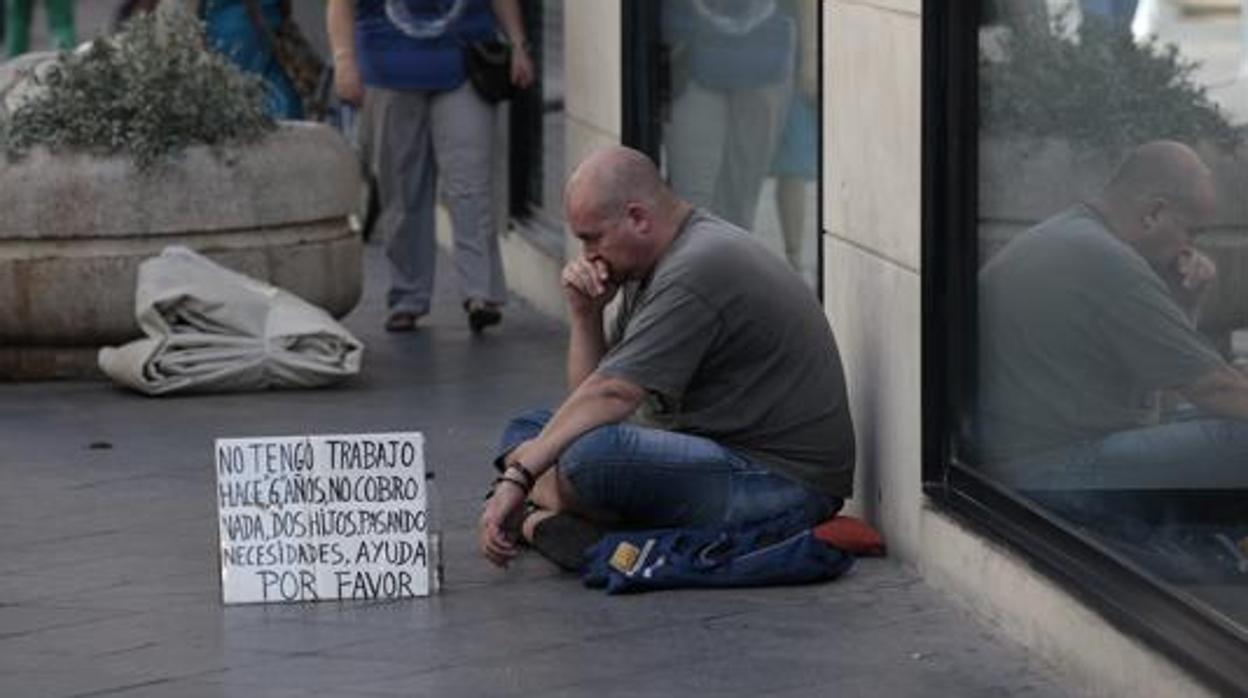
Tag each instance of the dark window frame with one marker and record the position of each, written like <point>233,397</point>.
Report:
<point>541,227</point>
<point>644,83</point>
<point>1209,645</point>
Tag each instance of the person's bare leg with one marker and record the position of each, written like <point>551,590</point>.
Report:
<point>791,205</point>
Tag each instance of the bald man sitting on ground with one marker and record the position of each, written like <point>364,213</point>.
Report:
<point>1086,319</point>
<point>716,398</point>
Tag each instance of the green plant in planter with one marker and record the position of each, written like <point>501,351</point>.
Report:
<point>150,91</point>
<point>1096,88</point>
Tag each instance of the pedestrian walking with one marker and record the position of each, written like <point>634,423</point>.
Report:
<point>430,130</point>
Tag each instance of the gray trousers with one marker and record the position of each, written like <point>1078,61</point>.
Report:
<point>721,144</point>
<point>420,141</point>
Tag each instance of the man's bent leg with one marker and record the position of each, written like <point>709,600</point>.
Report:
<point>655,478</point>
<point>643,477</point>
<point>1182,455</point>
<point>1191,454</point>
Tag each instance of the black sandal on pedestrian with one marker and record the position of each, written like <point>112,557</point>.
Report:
<point>402,321</point>
<point>482,314</point>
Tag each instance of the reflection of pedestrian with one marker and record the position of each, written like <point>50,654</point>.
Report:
<point>797,162</point>
<point>428,130</point>
<point>795,168</point>
<point>733,63</point>
<point>1119,13</point>
<point>17,24</point>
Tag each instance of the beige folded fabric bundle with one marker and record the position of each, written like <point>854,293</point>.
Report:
<point>210,329</point>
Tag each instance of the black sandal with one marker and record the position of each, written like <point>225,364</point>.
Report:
<point>482,314</point>
<point>402,321</point>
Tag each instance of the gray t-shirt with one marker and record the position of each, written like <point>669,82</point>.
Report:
<point>730,344</point>
<point>1077,335</point>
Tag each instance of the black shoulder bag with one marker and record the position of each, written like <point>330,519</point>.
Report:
<point>488,63</point>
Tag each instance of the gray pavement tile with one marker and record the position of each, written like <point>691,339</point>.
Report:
<point>497,639</point>
<point>60,683</point>
<point>46,587</point>
<point>109,571</point>
<point>528,662</point>
<point>18,622</point>
<point>118,590</point>
<point>296,637</point>
<point>194,688</point>
<point>121,665</point>
<point>321,672</point>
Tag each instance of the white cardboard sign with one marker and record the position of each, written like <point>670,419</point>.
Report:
<point>323,518</point>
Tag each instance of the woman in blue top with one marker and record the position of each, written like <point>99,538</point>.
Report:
<point>429,131</point>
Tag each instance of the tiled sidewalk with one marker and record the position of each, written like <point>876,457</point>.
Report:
<point>108,577</point>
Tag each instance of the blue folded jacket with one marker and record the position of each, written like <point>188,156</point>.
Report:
<point>777,551</point>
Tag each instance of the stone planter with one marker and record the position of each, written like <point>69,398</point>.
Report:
<point>1023,181</point>
<point>75,227</point>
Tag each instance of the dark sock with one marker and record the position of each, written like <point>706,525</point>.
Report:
<point>563,538</point>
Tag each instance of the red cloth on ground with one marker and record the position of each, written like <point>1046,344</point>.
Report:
<point>851,535</point>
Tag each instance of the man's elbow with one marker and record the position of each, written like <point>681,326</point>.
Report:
<point>622,394</point>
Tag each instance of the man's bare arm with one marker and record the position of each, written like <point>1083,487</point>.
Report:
<point>587,344</point>
<point>340,25</point>
<point>1222,393</point>
<point>596,401</point>
<point>587,289</point>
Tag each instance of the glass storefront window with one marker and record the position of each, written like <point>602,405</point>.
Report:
<point>739,116</point>
<point>1112,280</point>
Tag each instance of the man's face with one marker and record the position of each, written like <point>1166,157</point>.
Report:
<point>1171,226</point>
<point>616,241</point>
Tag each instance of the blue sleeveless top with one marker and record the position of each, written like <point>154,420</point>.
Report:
<point>418,44</point>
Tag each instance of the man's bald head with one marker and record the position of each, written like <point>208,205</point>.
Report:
<point>1163,169</point>
<point>1158,199</point>
<point>605,182</point>
<point>622,211</point>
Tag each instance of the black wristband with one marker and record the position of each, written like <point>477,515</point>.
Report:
<point>514,481</point>
<point>529,478</point>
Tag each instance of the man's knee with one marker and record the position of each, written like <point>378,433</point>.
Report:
<point>590,452</point>
<point>531,419</point>
<point>523,427</point>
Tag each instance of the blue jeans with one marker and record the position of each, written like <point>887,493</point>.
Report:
<point>650,478</point>
<point>1188,452</point>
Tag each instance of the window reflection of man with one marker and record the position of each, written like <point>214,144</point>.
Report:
<point>1086,318</point>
